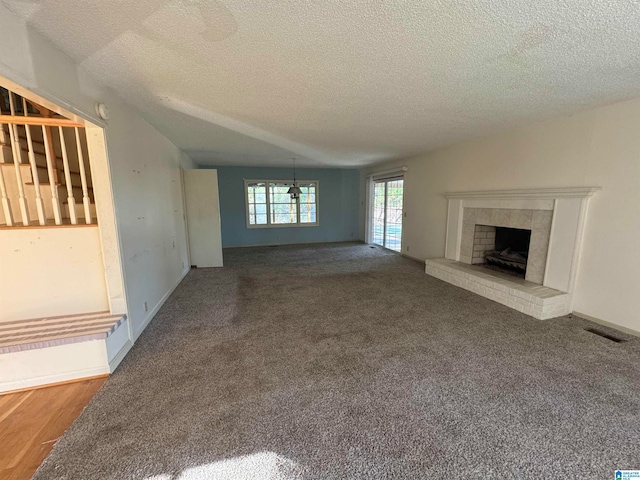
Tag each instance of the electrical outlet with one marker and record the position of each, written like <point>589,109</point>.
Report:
<point>146,307</point>
<point>407,248</point>
<point>174,243</point>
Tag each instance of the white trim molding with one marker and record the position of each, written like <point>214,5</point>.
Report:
<point>604,323</point>
<point>542,193</point>
<point>152,313</point>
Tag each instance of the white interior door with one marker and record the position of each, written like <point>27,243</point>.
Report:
<point>203,217</point>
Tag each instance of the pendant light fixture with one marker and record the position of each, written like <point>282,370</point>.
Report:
<point>294,191</point>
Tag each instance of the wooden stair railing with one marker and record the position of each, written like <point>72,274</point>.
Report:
<point>38,156</point>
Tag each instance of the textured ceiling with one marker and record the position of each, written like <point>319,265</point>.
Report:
<point>346,83</point>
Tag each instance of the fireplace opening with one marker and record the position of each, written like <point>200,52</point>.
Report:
<point>502,248</point>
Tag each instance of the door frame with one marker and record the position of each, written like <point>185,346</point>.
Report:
<point>399,172</point>
<point>184,216</point>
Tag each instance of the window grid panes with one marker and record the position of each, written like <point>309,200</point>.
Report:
<point>393,227</point>
<point>308,203</point>
<point>378,212</point>
<point>387,213</point>
<point>257,203</point>
<point>284,209</point>
<point>269,204</point>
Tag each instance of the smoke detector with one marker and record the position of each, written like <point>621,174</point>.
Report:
<point>102,110</point>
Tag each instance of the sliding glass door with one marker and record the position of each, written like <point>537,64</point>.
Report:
<point>386,219</point>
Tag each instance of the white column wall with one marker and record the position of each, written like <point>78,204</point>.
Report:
<point>149,233</point>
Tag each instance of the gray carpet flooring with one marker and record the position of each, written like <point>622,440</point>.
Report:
<point>343,361</point>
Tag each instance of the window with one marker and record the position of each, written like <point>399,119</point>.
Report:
<point>269,204</point>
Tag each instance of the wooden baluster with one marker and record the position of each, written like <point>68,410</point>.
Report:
<point>49,154</point>
<point>15,148</point>
<point>48,114</point>
<point>34,169</point>
<point>6,206</point>
<point>71,201</point>
<point>86,201</point>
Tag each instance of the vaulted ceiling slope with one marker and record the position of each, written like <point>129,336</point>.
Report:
<point>346,83</point>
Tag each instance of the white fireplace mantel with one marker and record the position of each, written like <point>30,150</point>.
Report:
<point>543,193</point>
<point>569,210</point>
<point>556,218</point>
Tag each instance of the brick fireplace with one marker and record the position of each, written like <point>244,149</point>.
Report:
<point>484,240</point>
<point>479,229</point>
<point>502,249</point>
<point>551,220</point>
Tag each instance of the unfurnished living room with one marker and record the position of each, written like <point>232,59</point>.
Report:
<point>319,240</point>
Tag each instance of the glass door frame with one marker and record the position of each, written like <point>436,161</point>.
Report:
<point>370,217</point>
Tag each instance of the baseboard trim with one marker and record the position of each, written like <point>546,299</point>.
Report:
<point>50,380</point>
<point>55,384</point>
<point>115,361</point>
<point>292,243</point>
<point>415,259</point>
<point>156,308</point>
<point>607,324</point>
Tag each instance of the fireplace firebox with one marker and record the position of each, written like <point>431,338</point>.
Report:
<point>502,248</point>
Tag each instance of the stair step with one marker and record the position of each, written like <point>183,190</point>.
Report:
<point>43,351</point>
<point>46,332</point>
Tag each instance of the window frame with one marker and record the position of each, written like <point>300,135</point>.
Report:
<point>268,203</point>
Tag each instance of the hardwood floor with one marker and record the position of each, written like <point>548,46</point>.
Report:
<point>32,420</point>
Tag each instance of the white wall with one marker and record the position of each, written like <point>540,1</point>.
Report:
<point>144,167</point>
<point>599,147</point>
<point>61,267</point>
<point>147,189</point>
<point>59,363</point>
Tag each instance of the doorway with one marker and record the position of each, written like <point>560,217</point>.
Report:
<point>387,213</point>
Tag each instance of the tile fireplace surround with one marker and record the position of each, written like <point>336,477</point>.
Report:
<point>556,218</point>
